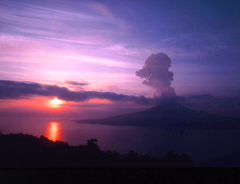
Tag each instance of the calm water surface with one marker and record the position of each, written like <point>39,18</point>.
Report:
<point>201,146</point>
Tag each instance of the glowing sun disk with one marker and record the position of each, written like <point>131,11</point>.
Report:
<point>55,103</point>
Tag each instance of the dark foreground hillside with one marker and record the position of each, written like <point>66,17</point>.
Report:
<point>27,151</point>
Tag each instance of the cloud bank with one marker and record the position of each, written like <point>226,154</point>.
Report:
<point>157,75</point>
<point>16,90</point>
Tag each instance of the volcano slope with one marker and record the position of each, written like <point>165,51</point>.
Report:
<point>170,115</point>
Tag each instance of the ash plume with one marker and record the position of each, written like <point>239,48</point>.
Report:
<point>157,75</point>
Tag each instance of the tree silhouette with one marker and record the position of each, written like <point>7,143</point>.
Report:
<point>27,151</point>
<point>91,142</point>
<point>92,147</point>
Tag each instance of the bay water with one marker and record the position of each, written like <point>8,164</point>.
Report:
<point>202,146</point>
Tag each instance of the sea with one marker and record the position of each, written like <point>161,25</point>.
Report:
<point>203,146</point>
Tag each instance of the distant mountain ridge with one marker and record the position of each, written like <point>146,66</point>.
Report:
<point>170,115</point>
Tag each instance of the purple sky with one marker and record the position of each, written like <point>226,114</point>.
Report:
<point>98,46</point>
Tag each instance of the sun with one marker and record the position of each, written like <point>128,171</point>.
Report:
<point>55,103</point>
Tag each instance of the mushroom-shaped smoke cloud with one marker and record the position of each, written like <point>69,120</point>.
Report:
<point>157,75</point>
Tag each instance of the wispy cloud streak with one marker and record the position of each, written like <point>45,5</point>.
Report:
<point>76,83</point>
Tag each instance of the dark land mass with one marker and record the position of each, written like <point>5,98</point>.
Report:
<point>170,115</point>
<point>27,151</point>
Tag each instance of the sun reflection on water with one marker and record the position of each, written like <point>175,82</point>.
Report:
<point>54,131</point>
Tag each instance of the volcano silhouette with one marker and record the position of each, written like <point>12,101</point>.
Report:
<point>170,115</point>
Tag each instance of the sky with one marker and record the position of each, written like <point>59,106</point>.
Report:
<point>90,54</point>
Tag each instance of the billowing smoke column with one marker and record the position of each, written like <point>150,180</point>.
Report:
<point>157,75</point>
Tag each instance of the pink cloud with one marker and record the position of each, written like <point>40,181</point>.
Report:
<point>84,39</point>
<point>131,13</point>
<point>119,49</point>
<point>13,43</point>
<point>106,12</point>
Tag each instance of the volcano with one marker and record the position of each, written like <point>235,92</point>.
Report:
<point>170,115</point>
